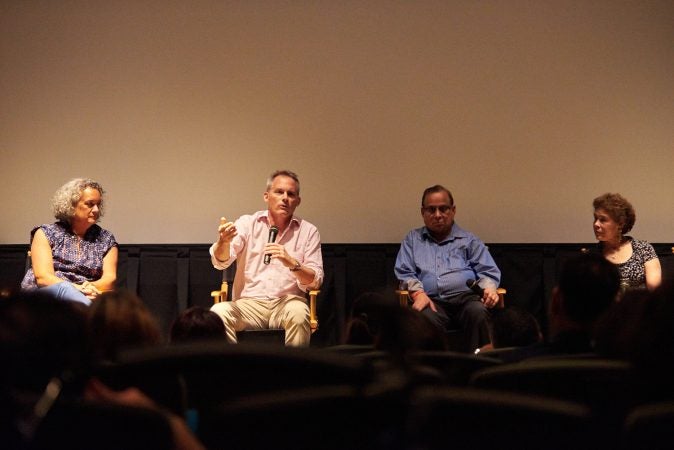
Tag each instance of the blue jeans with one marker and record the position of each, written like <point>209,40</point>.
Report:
<point>66,291</point>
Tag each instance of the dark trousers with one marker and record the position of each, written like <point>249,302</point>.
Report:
<point>464,311</point>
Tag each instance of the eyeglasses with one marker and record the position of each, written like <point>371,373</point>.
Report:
<point>444,209</point>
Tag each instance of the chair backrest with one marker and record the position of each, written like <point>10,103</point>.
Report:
<point>568,378</point>
<point>323,417</point>
<point>456,368</point>
<point>650,426</point>
<point>349,349</point>
<point>85,425</point>
<point>465,418</point>
<point>215,372</point>
<point>515,354</point>
<point>606,386</point>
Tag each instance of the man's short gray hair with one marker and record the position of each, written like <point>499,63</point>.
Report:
<point>286,173</point>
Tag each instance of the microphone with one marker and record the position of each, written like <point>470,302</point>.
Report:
<point>472,284</point>
<point>273,231</point>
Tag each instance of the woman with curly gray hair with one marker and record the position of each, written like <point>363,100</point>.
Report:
<point>73,258</point>
<point>636,260</point>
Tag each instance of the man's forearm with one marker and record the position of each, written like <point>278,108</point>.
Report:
<point>221,251</point>
<point>305,275</point>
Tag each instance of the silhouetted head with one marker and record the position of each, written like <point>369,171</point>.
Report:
<point>40,338</point>
<point>513,327</point>
<point>119,320</point>
<point>588,286</point>
<point>197,323</point>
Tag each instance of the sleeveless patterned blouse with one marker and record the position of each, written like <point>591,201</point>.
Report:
<point>75,259</point>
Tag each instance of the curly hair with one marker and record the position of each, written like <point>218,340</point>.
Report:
<point>618,208</point>
<point>66,197</point>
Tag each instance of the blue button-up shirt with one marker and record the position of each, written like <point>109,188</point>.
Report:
<point>441,269</point>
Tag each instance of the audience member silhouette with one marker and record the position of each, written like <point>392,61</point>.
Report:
<point>182,436</point>
<point>378,320</point>
<point>513,327</point>
<point>640,329</point>
<point>407,331</point>
<point>119,320</point>
<point>652,351</point>
<point>616,330</point>
<point>399,336</point>
<point>46,361</point>
<point>196,323</point>
<point>41,339</point>
<point>367,312</point>
<point>587,287</point>
<point>515,335</point>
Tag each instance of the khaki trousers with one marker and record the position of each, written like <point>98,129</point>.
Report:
<point>289,312</point>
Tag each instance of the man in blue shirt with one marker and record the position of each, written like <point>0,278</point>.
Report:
<point>435,262</point>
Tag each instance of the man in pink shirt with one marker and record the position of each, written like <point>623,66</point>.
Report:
<point>270,294</point>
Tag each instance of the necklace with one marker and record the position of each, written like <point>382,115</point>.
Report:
<point>615,253</point>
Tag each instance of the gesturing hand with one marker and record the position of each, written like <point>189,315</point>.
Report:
<point>226,230</point>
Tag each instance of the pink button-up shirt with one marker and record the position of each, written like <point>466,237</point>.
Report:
<point>253,278</point>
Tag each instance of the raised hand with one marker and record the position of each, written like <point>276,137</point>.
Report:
<point>226,230</point>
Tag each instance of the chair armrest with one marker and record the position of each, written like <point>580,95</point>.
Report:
<point>403,297</point>
<point>313,320</point>
<point>222,294</point>
<point>501,297</point>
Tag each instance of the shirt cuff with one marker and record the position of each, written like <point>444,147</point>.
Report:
<point>414,285</point>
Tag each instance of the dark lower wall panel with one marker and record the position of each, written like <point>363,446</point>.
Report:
<point>170,278</point>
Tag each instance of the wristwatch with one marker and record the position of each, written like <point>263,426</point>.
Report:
<point>296,267</point>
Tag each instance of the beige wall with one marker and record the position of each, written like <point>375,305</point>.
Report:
<point>526,110</point>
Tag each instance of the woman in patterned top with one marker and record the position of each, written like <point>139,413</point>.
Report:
<point>73,258</point>
<point>636,260</point>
